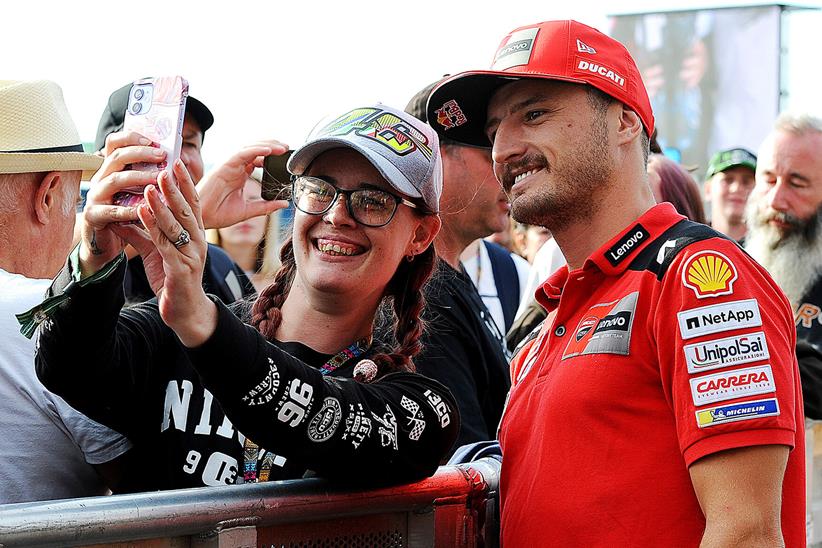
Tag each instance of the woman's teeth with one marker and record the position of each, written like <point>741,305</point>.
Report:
<point>335,249</point>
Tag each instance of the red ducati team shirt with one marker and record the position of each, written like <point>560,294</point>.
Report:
<point>668,345</point>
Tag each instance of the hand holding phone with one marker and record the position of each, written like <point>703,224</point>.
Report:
<point>155,110</point>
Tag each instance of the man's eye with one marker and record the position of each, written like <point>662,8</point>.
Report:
<point>532,115</point>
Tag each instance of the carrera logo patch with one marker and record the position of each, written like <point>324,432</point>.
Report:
<point>604,329</point>
<point>737,412</point>
<point>719,317</point>
<point>718,353</point>
<point>516,50</point>
<point>732,384</point>
<point>709,274</point>
<point>450,115</point>
<point>600,70</point>
<point>620,250</point>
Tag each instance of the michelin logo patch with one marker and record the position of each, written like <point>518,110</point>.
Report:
<point>718,318</point>
<point>516,50</point>
<point>737,412</point>
<point>717,353</point>
<point>732,384</point>
<point>604,329</point>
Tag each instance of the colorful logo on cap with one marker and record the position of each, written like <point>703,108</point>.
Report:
<point>450,115</point>
<point>709,274</point>
<point>382,127</point>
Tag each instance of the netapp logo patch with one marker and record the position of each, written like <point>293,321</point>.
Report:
<point>620,250</point>
<point>718,318</point>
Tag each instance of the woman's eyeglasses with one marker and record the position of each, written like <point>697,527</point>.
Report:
<point>368,206</point>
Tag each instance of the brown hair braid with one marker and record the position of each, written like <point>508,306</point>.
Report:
<point>265,314</point>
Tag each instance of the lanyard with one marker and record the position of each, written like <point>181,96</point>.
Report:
<point>254,469</point>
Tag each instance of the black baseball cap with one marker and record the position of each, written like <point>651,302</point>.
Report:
<point>416,107</point>
<point>115,111</point>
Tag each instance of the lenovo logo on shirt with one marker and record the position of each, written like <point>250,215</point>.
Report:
<point>719,317</point>
<point>620,250</point>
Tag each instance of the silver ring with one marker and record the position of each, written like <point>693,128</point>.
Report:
<point>184,239</point>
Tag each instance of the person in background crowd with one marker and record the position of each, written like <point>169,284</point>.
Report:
<point>728,183</point>
<point>671,183</point>
<point>462,346</point>
<point>252,244</point>
<point>505,237</point>
<point>627,364</point>
<point>305,380</point>
<point>48,450</point>
<point>784,220</point>
<point>529,240</point>
<point>222,276</point>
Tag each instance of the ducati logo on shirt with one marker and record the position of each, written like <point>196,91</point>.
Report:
<point>709,274</point>
<point>604,329</point>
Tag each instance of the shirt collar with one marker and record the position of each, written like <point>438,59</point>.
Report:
<point>616,254</point>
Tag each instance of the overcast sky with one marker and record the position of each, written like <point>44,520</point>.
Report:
<point>266,68</point>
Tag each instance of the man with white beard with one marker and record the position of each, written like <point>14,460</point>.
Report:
<point>784,217</point>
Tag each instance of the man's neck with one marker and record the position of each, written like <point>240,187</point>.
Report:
<point>29,255</point>
<point>582,238</point>
<point>735,231</point>
<point>449,245</point>
<point>325,323</point>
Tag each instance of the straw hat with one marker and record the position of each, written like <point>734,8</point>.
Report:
<point>37,133</point>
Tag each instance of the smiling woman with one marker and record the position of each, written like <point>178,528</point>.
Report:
<point>304,378</point>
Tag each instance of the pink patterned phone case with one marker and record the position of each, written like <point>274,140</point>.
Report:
<point>156,110</point>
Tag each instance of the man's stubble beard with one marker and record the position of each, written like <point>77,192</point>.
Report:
<point>794,260</point>
<point>575,191</point>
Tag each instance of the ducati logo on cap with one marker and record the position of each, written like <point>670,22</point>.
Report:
<point>582,47</point>
<point>450,115</point>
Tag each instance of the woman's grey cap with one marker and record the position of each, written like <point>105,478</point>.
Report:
<point>404,150</point>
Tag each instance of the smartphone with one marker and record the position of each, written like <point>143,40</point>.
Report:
<point>156,109</point>
<point>276,179</point>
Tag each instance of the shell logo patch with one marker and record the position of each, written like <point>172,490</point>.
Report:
<point>709,274</point>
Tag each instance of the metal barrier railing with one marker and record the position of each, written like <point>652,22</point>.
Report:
<point>455,507</point>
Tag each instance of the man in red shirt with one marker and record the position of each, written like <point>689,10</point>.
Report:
<point>660,403</point>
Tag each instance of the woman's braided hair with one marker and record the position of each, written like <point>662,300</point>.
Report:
<point>405,289</point>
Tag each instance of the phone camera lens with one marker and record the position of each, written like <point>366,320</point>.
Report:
<point>136,108</point>
<point>138,93</point>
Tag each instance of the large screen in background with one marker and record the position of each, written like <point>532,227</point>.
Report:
<point>712,76</point>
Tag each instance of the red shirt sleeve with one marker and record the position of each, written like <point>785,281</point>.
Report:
<point>726,344</point>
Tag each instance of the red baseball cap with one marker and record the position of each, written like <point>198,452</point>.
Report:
<point>553,50</point>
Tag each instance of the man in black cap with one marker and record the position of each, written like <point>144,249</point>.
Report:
<point>728,183</point>
<point>463,347</point>
<point>222,276</point>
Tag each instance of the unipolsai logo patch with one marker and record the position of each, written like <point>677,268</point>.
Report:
<point>605,329</point>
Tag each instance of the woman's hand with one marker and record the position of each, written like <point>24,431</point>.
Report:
<point>102,230</point>
<point>221,191</point>
<point>175,264</point>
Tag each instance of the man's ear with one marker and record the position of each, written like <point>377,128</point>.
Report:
<point>47,196</point>
<point>706,190</point>
<point>424,234</point>
<point>630,125</point>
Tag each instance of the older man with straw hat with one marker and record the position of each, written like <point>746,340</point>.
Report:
<point>48,450</point>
